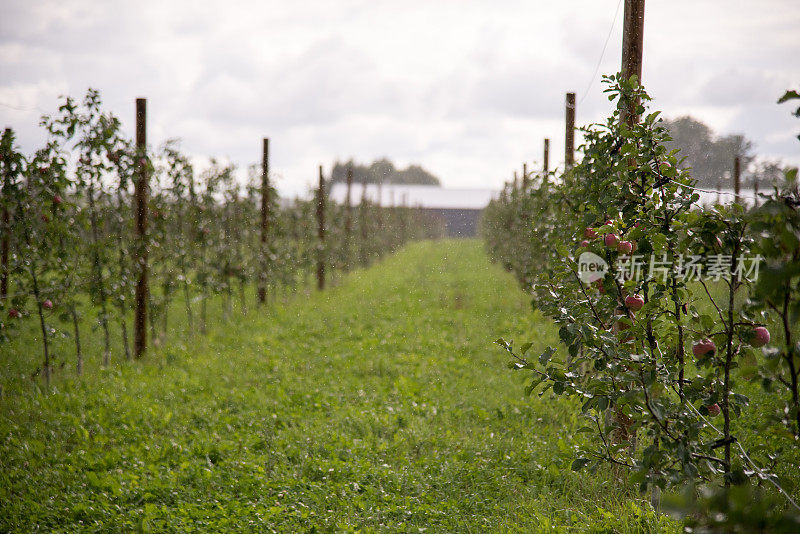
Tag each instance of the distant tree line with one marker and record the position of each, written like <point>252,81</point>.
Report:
<point>383,171</point>
<point>710,156</point>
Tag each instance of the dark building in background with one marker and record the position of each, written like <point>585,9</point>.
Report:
<point>458,209</point>
<point>458,222</point>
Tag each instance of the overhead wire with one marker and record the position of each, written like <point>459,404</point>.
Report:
<point>602,53</point>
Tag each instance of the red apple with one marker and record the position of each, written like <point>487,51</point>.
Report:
<point>13,313</point>
<point>611,240</point>
<point>47,304</point>
<point>713,409</point>
<point>760,336</point>
<point>57,200</point>
<point>584,243</point>
<point>634,302</point>
<point>609,222</point>
<point>45,218</point>
<point>626,247</point>
<point>599,284</point>
<point>703,347</point>
<point>590,233</point>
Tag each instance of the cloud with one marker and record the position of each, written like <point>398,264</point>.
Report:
<point>468,89</point>
<point>740,86</point>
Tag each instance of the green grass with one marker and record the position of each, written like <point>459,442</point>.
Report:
<point>378,405</point>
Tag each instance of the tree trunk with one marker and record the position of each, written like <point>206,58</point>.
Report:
<point>98,273</point>
<point>76,329</point>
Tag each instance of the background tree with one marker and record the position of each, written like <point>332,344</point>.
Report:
<point>710,156</point>
<point>383,171</point>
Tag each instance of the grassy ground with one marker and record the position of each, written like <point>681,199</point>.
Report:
<point>380,404</point>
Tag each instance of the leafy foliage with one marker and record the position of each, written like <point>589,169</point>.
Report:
<point>70,246</point>
<point>655,354</point>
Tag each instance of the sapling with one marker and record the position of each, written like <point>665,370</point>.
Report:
<point>72,220</point>
<point>35,251</point>
<point>93,130</point>
<point>626,345</point>
<point>776,296</point>
<point>11,163</point>
<point>120,154</point>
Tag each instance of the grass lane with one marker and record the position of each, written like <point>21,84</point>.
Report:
<point>380,404</point>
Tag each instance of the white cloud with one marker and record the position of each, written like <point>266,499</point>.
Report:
<point>468,89</point>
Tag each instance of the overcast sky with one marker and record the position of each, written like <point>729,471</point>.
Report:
<point>468,90</point>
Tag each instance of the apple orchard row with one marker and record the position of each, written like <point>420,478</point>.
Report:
<point>68,240</point>
<point>662,366</point>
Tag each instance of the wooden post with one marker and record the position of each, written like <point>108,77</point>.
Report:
<point>546,167</point>
<point>632,45</point>
<point>632,34</point>
<point>5,225</point>
<point>262,276</point>
<point>348,211</point>
<point>362,223</point>
<point>524,176</point>
<point>380,215</point>
<point>569,144</point>
<point>737,178</point>
<point>321,231</point>
<point>403,217</point>
<point>5,246</point>
<point>141,294</point>
<point>755,192</point>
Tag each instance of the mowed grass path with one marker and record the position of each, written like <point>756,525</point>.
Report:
<point>378,405</point>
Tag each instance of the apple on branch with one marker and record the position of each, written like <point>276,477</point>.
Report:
<point>760,336</point>
<point>634,302</point>
<point>703,347</point>
<point>611,240</point>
